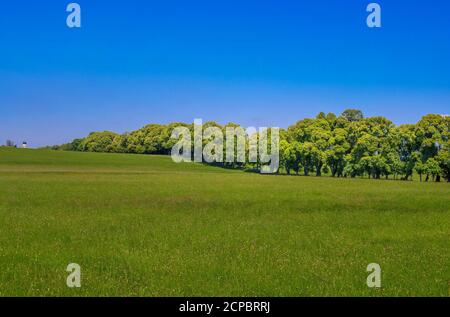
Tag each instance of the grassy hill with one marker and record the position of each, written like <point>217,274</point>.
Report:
<point>143,225</point>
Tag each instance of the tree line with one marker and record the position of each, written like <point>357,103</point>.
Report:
<point>348,145</point>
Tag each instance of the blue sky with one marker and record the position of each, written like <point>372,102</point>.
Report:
<point>257,63</point>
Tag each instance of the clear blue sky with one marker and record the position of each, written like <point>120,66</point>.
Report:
<point>253,62</point>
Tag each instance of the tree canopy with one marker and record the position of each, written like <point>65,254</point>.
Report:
<point>348,145</point>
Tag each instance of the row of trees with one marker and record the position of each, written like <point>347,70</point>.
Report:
<point>351,145</point>
<point>348,145</point>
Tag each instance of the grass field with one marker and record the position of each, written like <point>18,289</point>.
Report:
<point>142,225</point>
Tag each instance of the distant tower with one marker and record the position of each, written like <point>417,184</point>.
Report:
<point>24,145</point>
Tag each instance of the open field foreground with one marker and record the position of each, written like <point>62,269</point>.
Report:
<point>142,225</point>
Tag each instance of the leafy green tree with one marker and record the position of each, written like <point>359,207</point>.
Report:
<point>443,159</point>
<point>99,142</point>
<point>290,156</point>
<point>420,169</point>
<point>406,145</point>
<point>331,118</point>
<point>352,115</point>
<point>307,157</point>
<point>335,155</point>
<point>432,168</point>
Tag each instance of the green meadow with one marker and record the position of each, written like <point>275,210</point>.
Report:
<point>141,225</point>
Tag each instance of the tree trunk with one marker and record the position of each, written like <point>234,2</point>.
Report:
<point>333,172</point>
